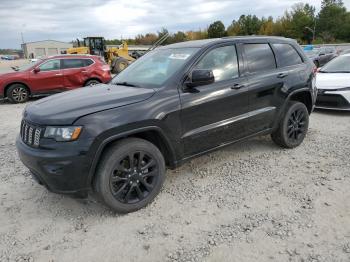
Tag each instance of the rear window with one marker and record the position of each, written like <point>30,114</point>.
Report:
<point>286,55</point>
<point>259,57</point>
<point>73,63</point>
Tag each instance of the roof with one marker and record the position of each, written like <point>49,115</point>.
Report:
<point>45,41</point>
<point>205,42</point>
<point>71,56</point>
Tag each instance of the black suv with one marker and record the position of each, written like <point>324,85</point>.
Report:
<point>174,103</point>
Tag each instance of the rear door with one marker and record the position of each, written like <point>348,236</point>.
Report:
<point>264,83</point>
<point>48,79</point>
<point>76,71</point>
<point>272,70</point>
<point>215,114</point>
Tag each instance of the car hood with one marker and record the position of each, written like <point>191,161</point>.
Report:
<point>10,73</point>
<point>332,80</point>
<point>65,108</point>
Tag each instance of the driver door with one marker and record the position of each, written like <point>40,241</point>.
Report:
<point>49,78</point>
<point>215,113</point>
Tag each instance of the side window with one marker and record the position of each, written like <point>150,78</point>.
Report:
<point>50,65</point>
<point>73,63</point>
<point>222,61</point>
<point>286,55</point>
<point>88,62</point>
<point>259,57</point>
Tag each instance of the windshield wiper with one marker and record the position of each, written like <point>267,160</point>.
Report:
<point>125,84</point>
<point>15,68</point>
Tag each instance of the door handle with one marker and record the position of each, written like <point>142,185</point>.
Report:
<point>58,74</point>
<point>84,71</point>
<point>237,86</point>
<point>282,75</point>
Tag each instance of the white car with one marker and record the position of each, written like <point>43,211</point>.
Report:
<point>333,84</point>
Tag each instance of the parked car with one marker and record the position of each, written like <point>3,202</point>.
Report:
<point>174,103</point>
<point>333,84</point>
<point>321,56</point>
<point>52,75</point>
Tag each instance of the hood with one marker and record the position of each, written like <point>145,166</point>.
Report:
<point>332,80</point>
<point>10,73</point>
<point>65,108</point>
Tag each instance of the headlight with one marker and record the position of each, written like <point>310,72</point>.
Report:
<point>68,133</point>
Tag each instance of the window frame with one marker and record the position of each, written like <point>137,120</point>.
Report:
<point>276,54</point>
<point>246,64</point>
<point>209,49</point>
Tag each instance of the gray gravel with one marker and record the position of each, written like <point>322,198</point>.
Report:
<point>252,201</point>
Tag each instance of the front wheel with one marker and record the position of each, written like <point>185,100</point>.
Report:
<point>17,93</point>
<point>293,126</point>
<point>130,175</point>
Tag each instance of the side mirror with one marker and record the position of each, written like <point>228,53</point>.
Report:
<point>200,77</point>
<point>36,70</point>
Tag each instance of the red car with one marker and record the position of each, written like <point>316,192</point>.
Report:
<point>52,75</point>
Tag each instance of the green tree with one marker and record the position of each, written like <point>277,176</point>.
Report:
<point>331,19</point>
<point>216,29</point>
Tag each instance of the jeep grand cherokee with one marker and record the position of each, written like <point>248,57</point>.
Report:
<point>174,103</point>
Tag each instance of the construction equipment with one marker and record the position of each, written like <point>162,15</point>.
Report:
<point>117,57</point>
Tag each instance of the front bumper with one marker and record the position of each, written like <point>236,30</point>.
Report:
<point>64,170</point>
<point>336,100</point>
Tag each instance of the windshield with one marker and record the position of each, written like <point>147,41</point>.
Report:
<point>340,64</point>
<point>154,68</point>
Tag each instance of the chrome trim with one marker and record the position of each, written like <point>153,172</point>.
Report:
<point>227,121</point>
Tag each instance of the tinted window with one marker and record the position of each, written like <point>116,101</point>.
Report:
<point>73,63</point>
<point>286,55</point>
<point>259,57</point>
<point>50,65</point>
<point>88,62</point>
<point>222,61</point>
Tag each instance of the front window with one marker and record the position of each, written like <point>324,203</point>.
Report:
<point>341,64</point>
<point>155,68</point>
<point>50,65</point>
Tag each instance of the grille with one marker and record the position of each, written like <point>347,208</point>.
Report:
<point>331,100</point>
<point>30,134</point>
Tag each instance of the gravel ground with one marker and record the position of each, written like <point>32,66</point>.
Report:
<point>252,201</point>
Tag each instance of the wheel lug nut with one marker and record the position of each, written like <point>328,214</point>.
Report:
<point>138,181</point>
<point>130,182</point>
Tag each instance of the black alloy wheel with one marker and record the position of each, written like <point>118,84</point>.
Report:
<point>293,125</point>
<point>296,125</point>
<point>130,174</point>
<point>134,177</point>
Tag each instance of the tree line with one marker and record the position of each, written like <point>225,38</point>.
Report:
<point>331,24</point>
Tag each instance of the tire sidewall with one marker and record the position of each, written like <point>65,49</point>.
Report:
<point>294,106</point>
<point>107,168</point>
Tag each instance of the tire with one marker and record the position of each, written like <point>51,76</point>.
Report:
<point>17,93</point>
<point>126,188</point>
<point>293,126</point>
<point>119,64</point>
<point>92,82</point>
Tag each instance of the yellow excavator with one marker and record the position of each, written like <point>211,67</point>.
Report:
<point>117,57</point>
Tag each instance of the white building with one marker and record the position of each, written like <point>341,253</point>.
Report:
<point>44,48</point>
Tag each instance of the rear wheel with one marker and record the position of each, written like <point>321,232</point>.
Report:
<point>92,82</point>
<point>17,93</point>
<point>293,126</point>
<point>130,175</point>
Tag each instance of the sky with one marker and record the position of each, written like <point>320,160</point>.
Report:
<point>66,20</point>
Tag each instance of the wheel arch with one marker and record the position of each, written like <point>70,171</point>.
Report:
<point>13,83</point>
<point>153,134</point>
<point>92,78</point>
<point>304,96</point>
